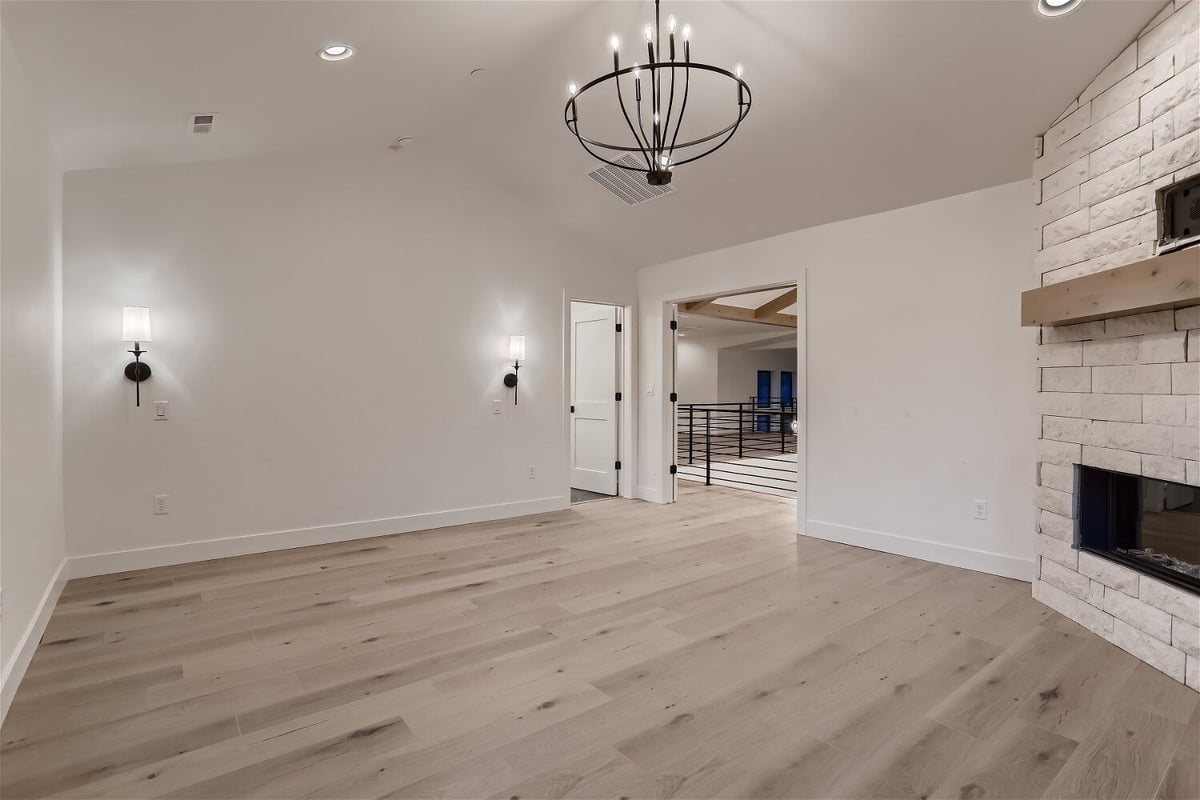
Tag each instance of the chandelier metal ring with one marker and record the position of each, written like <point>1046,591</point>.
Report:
<point>743,110</point>
<point>658,147</point>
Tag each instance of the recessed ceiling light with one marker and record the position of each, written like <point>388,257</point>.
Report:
<point>335,52</point>
<point>1056,8</point>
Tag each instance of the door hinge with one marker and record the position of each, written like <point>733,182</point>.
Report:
<point>674,397</point>
<point>674,324</point>
<point>618,327</point>
<point>618,397</point>
<point>572,409</point>
<point>618,465</point>
<point>674,469</point>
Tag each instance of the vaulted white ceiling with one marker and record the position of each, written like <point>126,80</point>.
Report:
<point>858,106</point>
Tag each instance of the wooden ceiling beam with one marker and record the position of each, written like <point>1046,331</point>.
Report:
<point>778,304</point>
<point>764,310</point>
<point>739,314</point>
<point>692,306</point>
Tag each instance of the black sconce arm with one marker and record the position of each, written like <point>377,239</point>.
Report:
<point>510,380</point>
<point>137,371</point>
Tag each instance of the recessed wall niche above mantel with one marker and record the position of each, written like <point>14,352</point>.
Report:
<point>1155,284</point>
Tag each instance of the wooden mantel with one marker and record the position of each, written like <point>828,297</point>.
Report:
<point>1167,281</point>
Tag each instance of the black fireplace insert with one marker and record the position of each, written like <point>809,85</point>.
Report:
<point>1150,525</point>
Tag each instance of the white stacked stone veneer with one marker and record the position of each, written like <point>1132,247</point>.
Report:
<point>1121,393</point>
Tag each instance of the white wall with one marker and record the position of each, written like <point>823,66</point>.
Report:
<point>737,371</point>
<point>709,371</point>
<point>919,379</point>
<point>330,335</point>
<point>31,475</point>
<point>696,370</point>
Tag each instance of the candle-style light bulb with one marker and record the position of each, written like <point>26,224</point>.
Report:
<point>738,71</point>
<point>637,71</point>
<point>649,31</point>
<point>655,117</point>
<point>614,42</point>
<point>671,23</point>
<point>572,88</point>
<point>687,33</point>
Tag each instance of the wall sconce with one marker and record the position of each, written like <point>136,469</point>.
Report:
<point>135,327</point>
<point>516,351</point>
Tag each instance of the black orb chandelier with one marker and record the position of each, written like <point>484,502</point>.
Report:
<point>658,111</point>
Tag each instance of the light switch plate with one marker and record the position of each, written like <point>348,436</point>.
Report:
<point>160,410</point>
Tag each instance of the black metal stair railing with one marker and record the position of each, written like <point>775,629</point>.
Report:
<point>749,444</point>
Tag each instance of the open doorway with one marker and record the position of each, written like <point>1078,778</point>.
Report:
<point>594,390</point>
<point>735,379</point>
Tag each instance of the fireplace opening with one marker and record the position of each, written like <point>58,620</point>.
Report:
<point>1150,525</point>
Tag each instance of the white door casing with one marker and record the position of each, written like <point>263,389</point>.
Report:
<point>594,429</point>
<point>672,405</point>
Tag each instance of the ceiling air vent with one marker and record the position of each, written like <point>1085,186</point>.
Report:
<point>202,123</point>
<point>629,186</point>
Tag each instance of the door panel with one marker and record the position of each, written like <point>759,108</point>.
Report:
<point>764,399</point>
<point>593,396</point>
<point>787,396</point>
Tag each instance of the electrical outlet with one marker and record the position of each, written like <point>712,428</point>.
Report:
<point>532,472</point>
<point>980,508</point>
<point>160,503</point>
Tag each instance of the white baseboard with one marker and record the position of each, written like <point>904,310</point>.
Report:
<point>166,555</point>
<point>939,552</point>
<point>14,670</point>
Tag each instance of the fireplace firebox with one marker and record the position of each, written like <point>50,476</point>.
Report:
<point>1150,525</point>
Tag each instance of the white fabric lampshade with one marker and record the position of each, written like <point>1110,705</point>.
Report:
<point>135,324</point>
<point>516,348</point>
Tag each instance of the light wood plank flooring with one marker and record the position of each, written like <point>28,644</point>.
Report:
<point>618,649</point>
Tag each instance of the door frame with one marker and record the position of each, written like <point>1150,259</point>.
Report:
<point>626,409</point>
<point>665,455</point>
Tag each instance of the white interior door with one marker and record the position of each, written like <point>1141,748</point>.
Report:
<point>594,397</point>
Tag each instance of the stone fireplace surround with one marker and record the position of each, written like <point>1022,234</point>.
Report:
<point>1122,393</point>
<point>1119,394</point>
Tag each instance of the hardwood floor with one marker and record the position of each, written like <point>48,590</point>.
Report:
<point>618,649</point>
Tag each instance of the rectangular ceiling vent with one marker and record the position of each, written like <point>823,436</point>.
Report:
<point>629,186</point>
<point>202,123</point>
